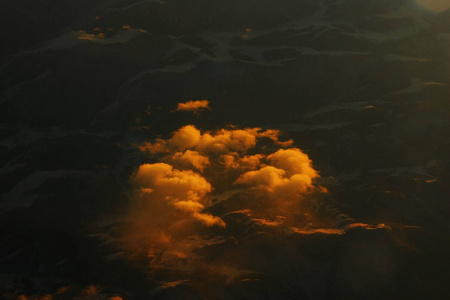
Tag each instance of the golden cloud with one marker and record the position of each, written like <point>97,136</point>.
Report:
<point>223,141</point>
<point>178,197</point>
<point>233,161</point>
<point>289,175</point>
<point>182,190</point>
<point>189,159</point>
<point>83,35</point>
<point>293,161</point>
<point>273,135</point>
<point>193,106</point>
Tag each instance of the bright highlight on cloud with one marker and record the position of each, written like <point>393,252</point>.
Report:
<point>189,159</point>
<point>83,35</point>
<point>193,106</point>
<point>290,174</point>
<point>223,141</point>
<point>170,188</point>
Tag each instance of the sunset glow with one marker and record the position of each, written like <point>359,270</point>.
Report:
<point>436,5</point>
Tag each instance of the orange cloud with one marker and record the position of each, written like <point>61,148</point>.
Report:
<point>293,161</point>
<point>222,155</point>
<point>265,193</point>
<point>267,177</point>
<point>167,210</point>
<point>189,159</point>
<point>193,106</point>
<point>290,174</point>
<point>167,189</point>
<point>233,161</point>
<point>199,172</point>
<point>277,222</point>
<point>273,135</point>
<point>83,35</point>
<point>184,138</point>
<point>223,141</point>
<point>182,190</point>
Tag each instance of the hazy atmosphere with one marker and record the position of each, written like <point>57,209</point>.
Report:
<point>224,149</point>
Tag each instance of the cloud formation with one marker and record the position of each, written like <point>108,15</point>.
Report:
<point>193,106</point>
<point>166,188</point>
<point>191,188</point>
<point>216,202</point>
<point>290,173</point>
<point>223,141</point>
<point>190,159</point>
<point>284,179</point>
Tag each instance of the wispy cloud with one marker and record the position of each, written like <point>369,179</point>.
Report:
<point>194,106</point>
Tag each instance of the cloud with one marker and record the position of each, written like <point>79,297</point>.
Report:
<point>223,156</point>
<point>267,177</point>
<point>227,203</point>
<point>167,210</point>
<point>184,138</point>
<point>190,159</point>
<point>184,191</point>
<point>289,175</point>
<point>223,141</point>
<point>293,161</point>
<point>273,135</point>
<point>97,36</point>
<point>193,106</point>
<point>184,200</point>
<point>233,161</point>
<point>83,35</point>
